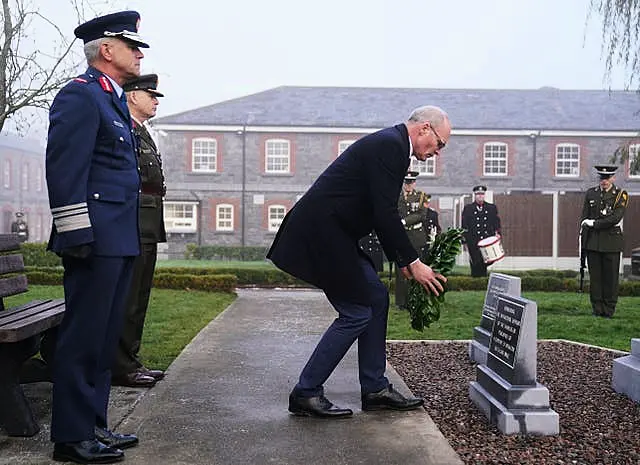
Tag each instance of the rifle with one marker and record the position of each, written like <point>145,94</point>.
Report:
<point>583,257</point>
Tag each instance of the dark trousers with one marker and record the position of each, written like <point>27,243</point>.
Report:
<point>367,324</point>
<point>604,273</point>
<point>126,359</point>
<point>478,266</point>
<point>95,289</point>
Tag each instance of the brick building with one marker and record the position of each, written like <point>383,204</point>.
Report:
<point>23,186</point>
<point>235,168</point>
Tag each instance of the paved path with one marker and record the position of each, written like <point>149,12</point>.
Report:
<point>224,400</point>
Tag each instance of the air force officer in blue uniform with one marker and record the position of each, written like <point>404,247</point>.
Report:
<point>93,184</point>
<point>318,242</point>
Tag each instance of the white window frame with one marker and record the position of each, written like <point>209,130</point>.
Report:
<point>273,158</point>
<point>39,179</point>
<point>344,145</point>
<point>424,168</point>
<point>24,176</point>
<point>487,156</point>
<point>568,162</point>
<point>209,159</point>
<point>224,219</point>
<point>634,152</point>
<point>273,217</point>
<point>6,174</point>
<point>181,224</point>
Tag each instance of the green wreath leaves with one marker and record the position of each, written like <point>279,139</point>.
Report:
<point>424,307</point>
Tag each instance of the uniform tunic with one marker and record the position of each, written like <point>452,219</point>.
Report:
<point>480,222</point>
<point>412,210</point>
<point>603,243</point>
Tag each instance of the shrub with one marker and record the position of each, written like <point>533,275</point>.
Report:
<point>222,252</point>
<point>36,254</point>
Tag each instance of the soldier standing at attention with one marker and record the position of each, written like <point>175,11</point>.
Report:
<point>430,224</point>
<point>601,237</point>
<point>20,227</point>
<point>93,183</point>
<point>370,245</point>
<point>481,220</point>
<point>412,210</point>
<point>127,369</point>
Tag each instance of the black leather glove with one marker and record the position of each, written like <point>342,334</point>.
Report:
<point>77,251</point>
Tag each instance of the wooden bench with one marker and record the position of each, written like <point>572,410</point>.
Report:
<point>20,334</point>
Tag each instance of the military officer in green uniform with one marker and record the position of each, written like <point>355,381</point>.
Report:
<point>601,237</point>
<point>412,212</point>
<point>128,370</point>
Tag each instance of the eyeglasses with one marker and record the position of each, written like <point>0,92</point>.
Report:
<point>441,143</point>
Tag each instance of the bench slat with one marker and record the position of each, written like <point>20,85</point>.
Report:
<point>50,316</point>
<point>13,285</point>
<point>11,263</point>
<point>23,311</point>
<point>9,242</point>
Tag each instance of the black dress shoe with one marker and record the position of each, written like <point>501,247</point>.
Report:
<point>91,451</point>
<point>120,441</point>
<point>155,374</point>
<point>134,379</point>
<point>389,398</point>
<point>319,407</point>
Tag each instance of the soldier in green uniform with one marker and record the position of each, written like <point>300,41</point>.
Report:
<point>127,369</point>
<point>412,212</point>
<point>601,238</point>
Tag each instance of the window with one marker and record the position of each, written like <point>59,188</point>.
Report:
<point>495,159</point>
<point>344,145</point>
<point>39,179</point>
<point>276,215</point>
<point>25,176</point>
<point>425,168</point>
<point>568,160</point>
<point>633,156</point>
<point>277,156</point>
<point>6,174</point>
<point>38,234</point>
<point>204,155</point>
<point>224,217</point>
<point>180,217</point>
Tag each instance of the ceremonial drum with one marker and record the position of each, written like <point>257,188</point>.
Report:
<point>491,249</point>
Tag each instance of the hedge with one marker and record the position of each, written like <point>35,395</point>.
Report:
<point>221,252</point>
<point>36,254</point>
<point>226,279</point>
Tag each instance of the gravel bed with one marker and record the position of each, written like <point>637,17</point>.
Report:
<point>597,425</point>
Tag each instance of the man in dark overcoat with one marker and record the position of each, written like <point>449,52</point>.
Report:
<point>318,243</point>
<point>601,237</point>
<point>481,220</point>
<point>93,183</point>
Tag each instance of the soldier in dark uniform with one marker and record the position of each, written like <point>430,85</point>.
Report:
<point>371,246</point>
<point>481,220</point>
<point>430,224</point>
<point>20,227</point>
<point>601,237</point>
<point>93,183</point>
<point>127,369</point>
<point>412,211</point>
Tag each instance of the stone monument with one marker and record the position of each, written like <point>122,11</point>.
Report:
<point>506,389</point>
<point>498,284</point>
<point>626,373</point>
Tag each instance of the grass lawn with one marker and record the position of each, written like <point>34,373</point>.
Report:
<point>173,318</point>
<point>214,264</point>
<point>561,315</point>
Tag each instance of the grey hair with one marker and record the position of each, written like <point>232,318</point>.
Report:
<point>92,49</point>
<point>429,113</point>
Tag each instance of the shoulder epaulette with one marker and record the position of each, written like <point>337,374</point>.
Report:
<point>80,79</point>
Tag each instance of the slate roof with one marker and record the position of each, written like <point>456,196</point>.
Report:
<point>545,108</point>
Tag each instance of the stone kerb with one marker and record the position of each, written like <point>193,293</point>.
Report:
<point>506,389</point>
<point>498,284</point>
<point>626,373</point>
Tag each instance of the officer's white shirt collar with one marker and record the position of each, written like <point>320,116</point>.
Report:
<point>115,85</point>
<point>410,148</point>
